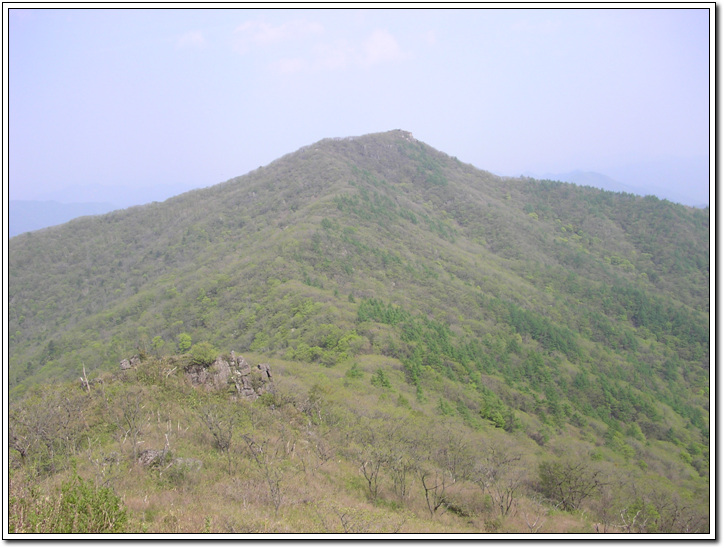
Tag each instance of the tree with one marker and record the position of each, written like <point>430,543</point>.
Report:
<point>220,422</point>
<point>45,427</point>
<point>567,483</point>
<point>268,459</point>
<point>184,342</point>
<point>371,463</point>
<point>401,467</point>
<point>380,379</point>
<point>203,353</point>
<point>499,474</point>
<point>157,345</point>
<point>130,418</point>
<point>435,484</point>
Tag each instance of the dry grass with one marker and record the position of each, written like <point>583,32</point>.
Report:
<point>307,479</point>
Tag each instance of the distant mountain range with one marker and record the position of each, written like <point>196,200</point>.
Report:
<point>28,215</point>
<point>592,179</point>
<point>668,178</point>
<point>679,180</point>
<point>60,206</point>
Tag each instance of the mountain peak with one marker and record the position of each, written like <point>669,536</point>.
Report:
<point>576,319</point>
<point>382,138</point>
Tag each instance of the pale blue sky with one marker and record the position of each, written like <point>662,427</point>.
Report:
<point>131,100</point>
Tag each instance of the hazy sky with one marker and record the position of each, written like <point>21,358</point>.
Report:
<point>135,99</point>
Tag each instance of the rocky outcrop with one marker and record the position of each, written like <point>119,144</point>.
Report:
<point>212,377</point>
<point>128,364</point>
<point>247,381</point>
<point>151,457</point>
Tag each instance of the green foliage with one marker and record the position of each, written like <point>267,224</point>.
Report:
<point>444,408</point>
<point>510,304</point>
<point>378,311</point>
<point>548,334</point>
<point>79,508</point>
<point>380,379</point>
<point>184,342</point>
<point>494,413</point>
<point>354,372</point>
<point>203,353</point>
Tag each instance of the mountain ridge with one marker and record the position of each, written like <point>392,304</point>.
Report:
<point>264,202</point>
<point>29,215</point>
<point>539,310</point>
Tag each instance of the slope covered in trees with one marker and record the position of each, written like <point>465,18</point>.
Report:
<point>537,309</point>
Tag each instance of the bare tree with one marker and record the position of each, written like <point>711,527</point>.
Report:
<point>375,453</point>
<point>357,520</point>
<point>84,381</point>
<point>268,460</point>
<point>534,520</point>
<point>605,510</point>
<point>20,432</point>
<point>568,483</point>
<point>454,454</point>
<point>500,476</point>
<point>130,418</point>
<point>372,459</point>
<point>435,485</point>
<point>401,468</point>
<point>534,525</point>
<point>220,421</point>
<point>45,427</point>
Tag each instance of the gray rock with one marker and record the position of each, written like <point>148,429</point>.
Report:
<point>243,366</point>
<point>249,382</point>
<point>151,457</point>
<point>219,373</point>
<point>265,370</point>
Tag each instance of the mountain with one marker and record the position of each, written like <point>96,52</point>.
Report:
<point>555,318</point>
<point>592,179</point>
<point>28,215</point>
<point>682,180</point>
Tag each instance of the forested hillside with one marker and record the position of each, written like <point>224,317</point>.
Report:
<point>557,320</point>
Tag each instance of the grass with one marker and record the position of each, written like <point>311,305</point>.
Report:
<point>311,434</point>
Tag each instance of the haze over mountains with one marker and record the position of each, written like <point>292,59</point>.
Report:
<point>680,180</point>
<point>28,215</point>
<point>573,319</point>
<point>62,206</point>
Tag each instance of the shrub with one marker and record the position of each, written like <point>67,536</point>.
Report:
<point>354,372</point>
<point>566,483</point>
<point>184,342</point>
<point>203,353</point>
<point>78,508</point>
<point>381,380</point>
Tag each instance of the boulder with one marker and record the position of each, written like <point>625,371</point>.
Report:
<point>249,382</point>
<point>265,370</point>
<point>219,373</point>
<point>128,364</point>
<point>151,457</point>
<point>243,366</point>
